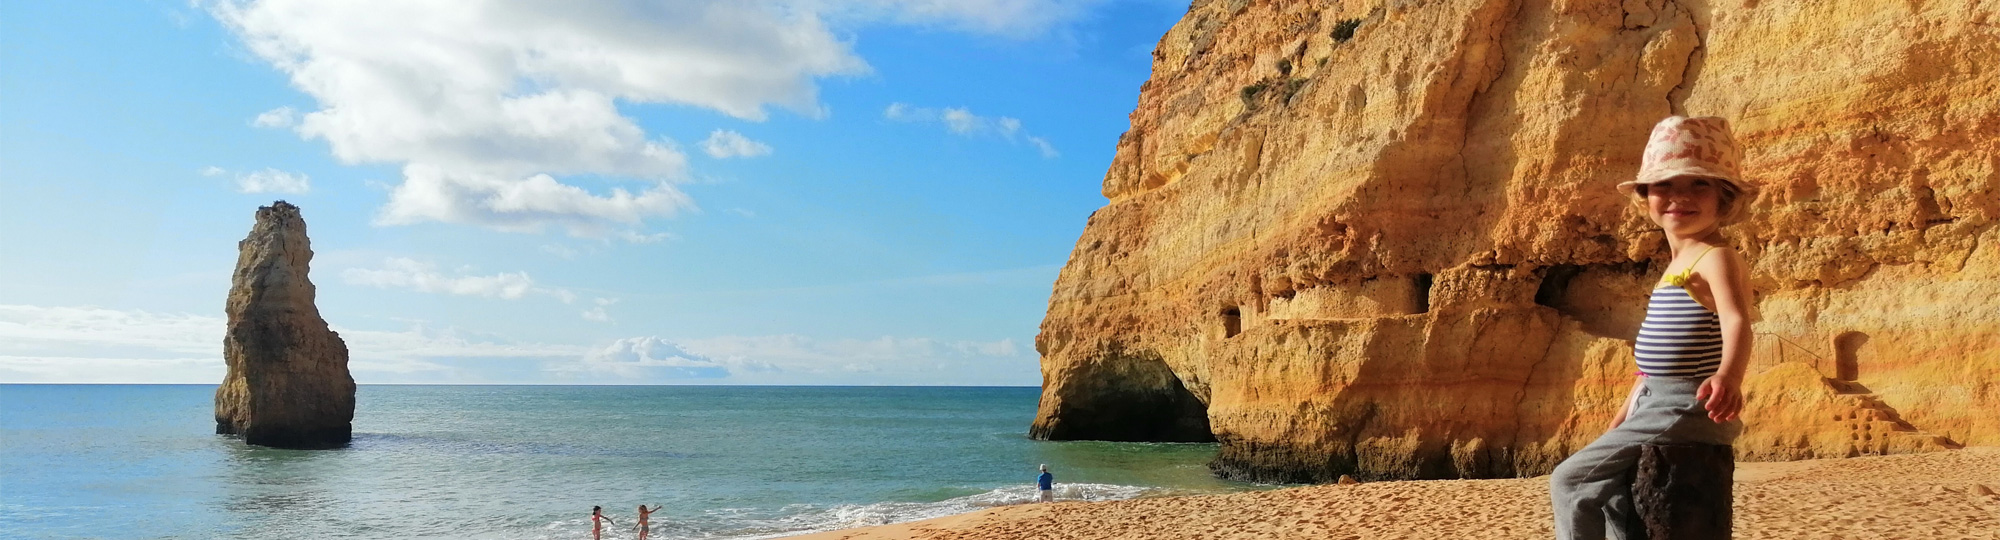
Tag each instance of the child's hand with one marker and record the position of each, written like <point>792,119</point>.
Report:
<point>1722,396</point>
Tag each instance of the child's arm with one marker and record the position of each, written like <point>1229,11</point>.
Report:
<point>1728,279</point>
<point>1626,409</point>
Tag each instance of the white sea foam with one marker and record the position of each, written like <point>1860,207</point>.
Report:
<point>753,524</point>
<point>809,518</point>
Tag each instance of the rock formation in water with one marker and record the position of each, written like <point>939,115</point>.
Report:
<point>287,384</point>
<point>1381,238</point>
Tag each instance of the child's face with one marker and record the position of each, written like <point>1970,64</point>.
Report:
<point>1684,205</point>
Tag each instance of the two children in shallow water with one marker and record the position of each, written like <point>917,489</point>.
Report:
<point>1694,344</point>
<point>597,520</point>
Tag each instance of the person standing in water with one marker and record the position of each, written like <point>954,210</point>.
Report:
<point>1047,483</point>
<point>1694,344</point>
<point>646,528</point>
<point>596,518</point>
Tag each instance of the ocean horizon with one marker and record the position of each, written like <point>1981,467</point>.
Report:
<point>529,462</point>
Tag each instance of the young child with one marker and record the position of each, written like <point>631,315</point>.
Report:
<point>645,523</point>
<point>1694,345</point>
<point>597,520</point>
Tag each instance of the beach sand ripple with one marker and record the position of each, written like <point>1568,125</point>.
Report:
<point>1941,495</point>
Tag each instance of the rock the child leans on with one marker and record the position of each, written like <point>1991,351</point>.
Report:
<point>1694,345</point>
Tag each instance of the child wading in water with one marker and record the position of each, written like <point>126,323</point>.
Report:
<point>645,523</point>
<point>597,519</point>
<point>1695,342</point>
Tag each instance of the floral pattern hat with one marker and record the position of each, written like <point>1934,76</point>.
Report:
<point>1682,146</point>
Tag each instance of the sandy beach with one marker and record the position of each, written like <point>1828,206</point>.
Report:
<point>1941,495</point>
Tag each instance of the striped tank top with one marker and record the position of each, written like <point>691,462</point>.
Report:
<point>1679,338</point>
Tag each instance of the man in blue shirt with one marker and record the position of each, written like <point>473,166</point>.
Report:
<point>1048,483</point>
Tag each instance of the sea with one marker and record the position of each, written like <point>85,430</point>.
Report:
<point>529,462</point>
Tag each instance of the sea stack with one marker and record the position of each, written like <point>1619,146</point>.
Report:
<point>1381,239</point>
<point>287,385</point>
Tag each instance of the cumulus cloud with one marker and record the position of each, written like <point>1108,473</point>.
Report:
<point>272,181</point>
<point>275,118</point>
<point>489,111</point>
<point>725,144</point>
<point>485,108</point>
<point>405,273</point>
<point>963,122</point>
<point>430,193</point>
<point>645,358</point>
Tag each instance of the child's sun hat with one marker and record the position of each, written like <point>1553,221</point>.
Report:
<point>1682,146</point>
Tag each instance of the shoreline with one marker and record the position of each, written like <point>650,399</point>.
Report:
<point>1934,495</point>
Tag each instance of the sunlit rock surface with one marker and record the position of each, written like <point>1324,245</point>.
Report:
<point>287,384</point>
<point>1401,255</point>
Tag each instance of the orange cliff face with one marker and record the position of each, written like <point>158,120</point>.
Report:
<point>1401,255</point>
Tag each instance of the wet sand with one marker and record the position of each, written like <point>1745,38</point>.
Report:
<point>1941,495</point>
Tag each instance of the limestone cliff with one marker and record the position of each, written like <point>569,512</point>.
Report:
<point>287,384</point>
<point>1381,237</point>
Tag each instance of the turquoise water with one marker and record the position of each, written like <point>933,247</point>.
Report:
<point>521,462</point>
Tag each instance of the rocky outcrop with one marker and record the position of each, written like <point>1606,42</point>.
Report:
<point>1381,238</point>
<point>287,384</point>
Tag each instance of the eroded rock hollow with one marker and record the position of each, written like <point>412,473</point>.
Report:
<point>1381,238</point>
<point>287,384</point>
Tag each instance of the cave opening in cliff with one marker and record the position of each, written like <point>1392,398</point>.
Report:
<point>1555,284</point>
<point>1846,347</point>
<point>1232,322</point>
<point>1421,293</point>
<point>1122,394</point>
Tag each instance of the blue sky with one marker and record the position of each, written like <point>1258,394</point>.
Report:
<point>684,192</point>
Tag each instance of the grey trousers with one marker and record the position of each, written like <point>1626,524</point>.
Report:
<point>1592,490</point>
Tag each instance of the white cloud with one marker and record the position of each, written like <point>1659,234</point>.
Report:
<point>275,118</point>
<point>422,343</point>
<point>597,314</point>
<point>1048,150</point>
<point>906,112</point>
<point>642,359</point>
<point>489,109</point>
<point>212,170</point>
<point>96,345</point>
<point>485,107</point>
<point>35,329</point>
<point>793,353</point>
<point>88,344</point>
<point>404,273</point>
<point>272,181</point>
<point>636,237</point>
<point>429,193</point>
<point>962,121</point>
<point>1008,126</point>
<point>725,144</point>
